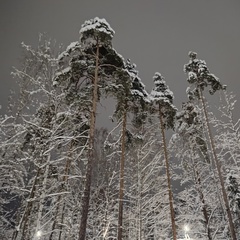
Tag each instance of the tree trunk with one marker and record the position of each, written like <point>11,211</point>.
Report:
<point>218,165</point>
<point>174,232</point>
<point>24,220</point>
<point>59,199</point>
<point>121,187</point>
<point>198,184</point>
<point>43,193</point>
<point>88,180</point>
<point>140,184</point>
<point>204,207</point>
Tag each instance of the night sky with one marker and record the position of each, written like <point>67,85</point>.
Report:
<point>156,35</point>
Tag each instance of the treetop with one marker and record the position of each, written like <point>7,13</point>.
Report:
<point>94,29</point>
<point>199,74</point>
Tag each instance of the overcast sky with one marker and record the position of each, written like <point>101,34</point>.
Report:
<point>155,34</point>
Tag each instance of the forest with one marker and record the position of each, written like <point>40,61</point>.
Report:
<point>158,173</point>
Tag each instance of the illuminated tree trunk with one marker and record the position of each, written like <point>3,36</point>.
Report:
<point>88,179</point>
<point>174,232</point>
<point>218,165</point>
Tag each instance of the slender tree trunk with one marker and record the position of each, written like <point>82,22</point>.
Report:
<point>59,199</point>
<point>218,165</point>
<point>88,180</point>
<point>140,177</point>
<point>61,224</point>
<point>139,202</point>
<point>198,183</point>
<point>43,194</point>
<point>204,207</point>
<point>121,187</point>
<point>24,220</point>
<point>174,232</point>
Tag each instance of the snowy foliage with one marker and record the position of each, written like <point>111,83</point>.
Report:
<point>163,97</point>
<point>96,31</point>
<point>234,191</point>
<point>232,182</point>
<point>129,91</point>
<point>161,93</point>
<point>71,48</point>
<point>137,87</point>
<point>190,127</point>
<point>77,63</point>
<point>199,74</point>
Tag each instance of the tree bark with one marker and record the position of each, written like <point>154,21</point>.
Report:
<point>88,180</point>
<point>218,165</point>
<point>174,232</point>
<point>121,187</point>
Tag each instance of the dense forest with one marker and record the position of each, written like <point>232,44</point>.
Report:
<point>64,177</point>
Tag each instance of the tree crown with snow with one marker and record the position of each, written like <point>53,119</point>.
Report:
<point>199,74</point>
<point>96,30</point>
<point>163,96</point>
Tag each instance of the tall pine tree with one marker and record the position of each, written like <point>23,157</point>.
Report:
<point>200,76</point>
<point>162,99</point>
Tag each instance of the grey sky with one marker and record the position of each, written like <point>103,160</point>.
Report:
<point>155,34</point>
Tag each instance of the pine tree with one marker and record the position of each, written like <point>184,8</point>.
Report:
<point>200,76</point>
<point>92,62</point>
<point>162,98</point>
<point>193,153</point>
<point>130,94</point>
